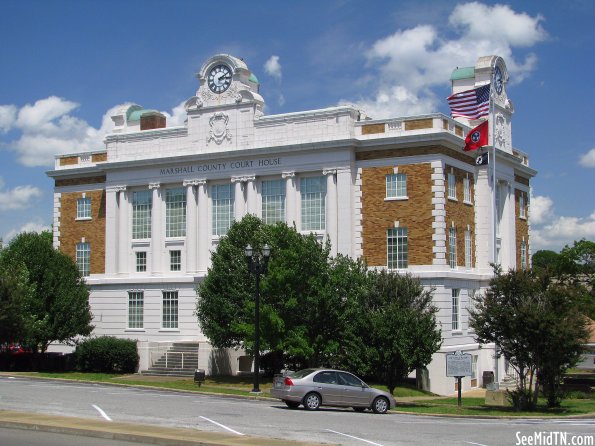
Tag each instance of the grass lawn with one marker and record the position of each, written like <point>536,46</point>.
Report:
<point>476,406</point>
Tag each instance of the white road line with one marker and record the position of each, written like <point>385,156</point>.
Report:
<point>221,425</point>
<point>476,444</point>
<point>356,438</point>
<point>101,412</point>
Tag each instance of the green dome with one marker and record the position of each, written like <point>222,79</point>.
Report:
<point>252,78</point>
<point>463,73</point>
<point>136,114</point>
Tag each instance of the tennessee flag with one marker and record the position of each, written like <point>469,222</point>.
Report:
<point>477,137</point>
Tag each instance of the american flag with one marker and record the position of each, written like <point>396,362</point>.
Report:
<point>471,104</point>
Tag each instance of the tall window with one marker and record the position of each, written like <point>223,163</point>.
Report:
<point>136,306</point>
<point>522,207</point>
<point>223,208</point>
<point>396,185</point>
<point>273,201</point>
<point>452,247</point>
<point>523,254</point>
<point>141,261</point>
<point>466,190</point>
<point>83,258</point>
<point>83,208</point>
<point>474,367</point>
<point>313,192</point>
<point>397,248</point>
<point>175,260</point>
<point>468,250</point>
<point>452,186</point>
<point>175,212</point>
<point>456,314</point>
<point>141,214</point>
<point>170,309</point>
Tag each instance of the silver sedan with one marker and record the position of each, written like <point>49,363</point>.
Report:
<point>327,387</point>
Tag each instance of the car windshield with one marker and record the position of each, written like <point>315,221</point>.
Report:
<point>301,373</point>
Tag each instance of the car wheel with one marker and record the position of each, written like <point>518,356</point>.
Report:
<point>380,405</point>
<point>359,409</point>
<point>291,404</point>
<point>312,401</point>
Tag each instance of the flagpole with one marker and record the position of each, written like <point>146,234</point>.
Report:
<point>491,117</point>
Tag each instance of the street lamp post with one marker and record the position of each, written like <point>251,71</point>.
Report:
<point>257,265</point>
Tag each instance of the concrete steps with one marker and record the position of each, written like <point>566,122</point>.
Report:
<point>181,359</point>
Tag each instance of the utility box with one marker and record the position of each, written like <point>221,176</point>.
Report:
<point>199,376</point>
<point>487,378</point>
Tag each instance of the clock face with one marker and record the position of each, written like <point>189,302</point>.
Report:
<point>498,81</point>
<point>219,78</point>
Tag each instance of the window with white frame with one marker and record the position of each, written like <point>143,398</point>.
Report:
<point>83,208</point>
<point>474,367</point>
<point>170,309</point>
<point>452,246</point>
<point>452,186</point>
<point>522,207</point>
<point>136,307</point>
<point>523,254</point>
<point>467,190</point>
<point>83,258</point>
<point>222,197</point>
<point>141,261</point>
<point>175,212</point>
<point>175,260</point>
<point>273,201</point>
<point>313,194</point>
<point>456,314</point>
<point>396,185</point>
<point>397,248</point>
<point>141,214</point>
<point>468,249</point>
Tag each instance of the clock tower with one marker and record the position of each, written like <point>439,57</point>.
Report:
<point>227,102</point>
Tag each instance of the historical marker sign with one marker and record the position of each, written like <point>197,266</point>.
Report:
<point>459,364</point>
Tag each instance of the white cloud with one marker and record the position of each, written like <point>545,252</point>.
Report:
<point>542,209</point>
<point>550,231</point>
<point>281,100</point>
<point>178,115</point>
<point>8,116</point>
<point>588,159</point>
<point>412,61</point>
<point>273,68</point>
<point>48,128</point>
<point>32,226</point>
<point>20,197</point>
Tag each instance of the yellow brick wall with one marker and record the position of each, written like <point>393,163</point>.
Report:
<point>93,230</point>
<point>415,213</point>
<point>521,225</point>
<point>461,213</point>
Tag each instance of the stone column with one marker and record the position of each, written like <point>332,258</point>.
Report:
<point>290,198</point>
<point>238,198</point>
<point>191,226</point>
<point>251,196</point>
<point>344,211</point>
<point>123,232</point>
<point>331,208</point>
<point>204,237</point>
<point>111,230</point>
<point>156,229</point>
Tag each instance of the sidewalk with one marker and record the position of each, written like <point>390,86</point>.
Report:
<point>139,433</point>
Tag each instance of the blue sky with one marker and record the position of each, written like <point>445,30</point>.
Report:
<point>66,64</point>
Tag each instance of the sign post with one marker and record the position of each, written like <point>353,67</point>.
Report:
<point>458,365</point>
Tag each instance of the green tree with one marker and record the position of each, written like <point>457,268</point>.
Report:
<point>545,260</point>
<point>538,326</point>
<point>57,309</point>
<point>15,291</point>
<point>395,322</point>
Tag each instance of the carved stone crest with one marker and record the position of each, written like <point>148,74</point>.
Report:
<point>219,131</point>
<point>500,131</point>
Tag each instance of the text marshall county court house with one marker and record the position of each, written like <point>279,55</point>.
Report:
<point>222,166</point>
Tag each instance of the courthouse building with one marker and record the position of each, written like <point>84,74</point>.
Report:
<point>142,215</point>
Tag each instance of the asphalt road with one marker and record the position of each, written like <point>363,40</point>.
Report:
<point>273,419</point>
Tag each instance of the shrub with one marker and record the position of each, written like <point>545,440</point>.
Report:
<point>107,354</point>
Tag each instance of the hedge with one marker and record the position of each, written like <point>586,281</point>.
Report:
<point>107,354</point>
